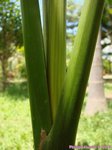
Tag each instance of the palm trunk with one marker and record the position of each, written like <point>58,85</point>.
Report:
<point>96,98</point>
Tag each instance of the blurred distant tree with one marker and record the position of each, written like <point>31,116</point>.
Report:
<point>107,20</point>
<point>107,35</point>
<point>96,97</point>
<point>72,18</point>
<point>10,33</point>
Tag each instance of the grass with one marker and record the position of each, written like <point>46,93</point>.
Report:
<point>15,122</point>
<point>96,130</point>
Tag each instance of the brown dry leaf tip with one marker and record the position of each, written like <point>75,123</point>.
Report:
<point>43,137</point>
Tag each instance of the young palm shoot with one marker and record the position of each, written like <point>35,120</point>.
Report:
<point>63,132</point>
<point>48,85</point>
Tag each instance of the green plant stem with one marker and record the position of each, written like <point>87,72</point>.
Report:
<point>35,63</point>
<point>64,129</point>
<point>54,32</point>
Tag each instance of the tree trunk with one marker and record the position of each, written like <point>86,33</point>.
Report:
<point>96,98</point>
<point>4,74</point>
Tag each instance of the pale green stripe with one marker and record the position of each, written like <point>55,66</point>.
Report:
<point>54,30</point>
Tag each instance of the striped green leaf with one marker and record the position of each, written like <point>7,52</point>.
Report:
<point>35,63</point>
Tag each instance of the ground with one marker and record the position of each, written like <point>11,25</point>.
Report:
<point>15,121</point>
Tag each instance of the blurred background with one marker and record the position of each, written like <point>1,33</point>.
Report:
<point>15,123</point>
